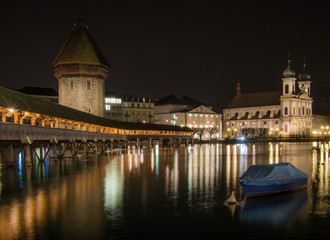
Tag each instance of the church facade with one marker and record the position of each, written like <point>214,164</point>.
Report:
<point>277,113</point>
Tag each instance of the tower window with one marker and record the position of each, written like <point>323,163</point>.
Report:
<point>286,89</point>
<point>88,85</point>
<point>285,111</point>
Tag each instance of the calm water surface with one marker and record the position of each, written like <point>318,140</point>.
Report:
<point>164,193</point>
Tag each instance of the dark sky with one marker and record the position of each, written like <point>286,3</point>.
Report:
<point>200,49</point>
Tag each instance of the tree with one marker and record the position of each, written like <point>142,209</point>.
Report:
<point>200,132</point>
<point>212,131</point>
<point>262,132</point>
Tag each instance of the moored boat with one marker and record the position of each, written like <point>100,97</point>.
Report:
<point>267,179</point>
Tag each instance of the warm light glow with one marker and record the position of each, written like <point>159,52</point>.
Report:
<point>113,100</point>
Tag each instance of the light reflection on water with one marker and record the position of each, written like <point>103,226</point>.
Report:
<point>163,188</point>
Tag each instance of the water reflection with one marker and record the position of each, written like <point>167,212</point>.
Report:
<point>114,189</point>
<point>159,186</point>
<point>60,206</point>
<point>274,210</point>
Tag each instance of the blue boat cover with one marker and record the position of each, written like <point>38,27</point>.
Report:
<point>272,174</point>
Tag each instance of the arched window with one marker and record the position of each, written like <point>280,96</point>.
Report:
<point>285,111</point>
<point>286,88</point>
<point>303,110</point>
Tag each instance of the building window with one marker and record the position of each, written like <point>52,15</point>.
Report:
<point>285,111</point>
<point>107,107</point>
<point>88,85</point>
<point>286,89</point>
<point>71,85</point>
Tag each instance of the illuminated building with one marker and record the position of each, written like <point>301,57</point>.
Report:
<point>137,109</point>
<point>178,110</point>
<point>113,106</point>
<point>281,113</point>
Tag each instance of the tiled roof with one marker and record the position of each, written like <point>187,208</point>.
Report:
<point>255,100</point>
<point>80,47</point>
<point>179,100</point>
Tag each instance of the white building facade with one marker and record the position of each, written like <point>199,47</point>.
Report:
<point>278,113</point>
<point>188,113</point>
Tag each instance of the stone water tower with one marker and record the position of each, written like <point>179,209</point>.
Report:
<point>81,70</point>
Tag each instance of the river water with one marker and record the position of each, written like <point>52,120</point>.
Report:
<point>164,193</point>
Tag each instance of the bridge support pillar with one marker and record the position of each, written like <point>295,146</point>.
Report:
<point>27,155</point>
<point>111,143</point>
<point>160,142</point>
<point>54,150</point>
<point>10,155</point>
<point>150,142</point>
<point>171,142</point>
<point>85,148</point>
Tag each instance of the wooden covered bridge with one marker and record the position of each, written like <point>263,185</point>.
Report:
<point>28,123</point>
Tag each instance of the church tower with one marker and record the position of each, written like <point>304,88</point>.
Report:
<point>81,70</point>
<point>304,81</point>
<point>296,104</point>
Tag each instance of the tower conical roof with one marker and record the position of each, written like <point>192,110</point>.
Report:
<point>80,47</point>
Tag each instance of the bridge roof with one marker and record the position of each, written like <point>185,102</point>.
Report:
<point>16,100</point>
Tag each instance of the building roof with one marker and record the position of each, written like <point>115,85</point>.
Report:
<point>179,100</point>
<point>112,94</point>
<point>13,99</point>
<point>80,47</point>
<point>39,91</point>
<point>256,100</point>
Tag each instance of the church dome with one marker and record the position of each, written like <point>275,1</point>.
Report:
<point>304,77</point>
<point>288,72</point>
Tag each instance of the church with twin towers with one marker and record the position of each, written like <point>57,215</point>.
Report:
<point>281,113</point>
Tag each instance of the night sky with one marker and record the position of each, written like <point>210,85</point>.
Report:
<point>200,49</point>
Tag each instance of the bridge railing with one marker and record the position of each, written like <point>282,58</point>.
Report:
<point>24,118</point>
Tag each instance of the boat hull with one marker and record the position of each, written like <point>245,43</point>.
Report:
<point>254,191</point>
